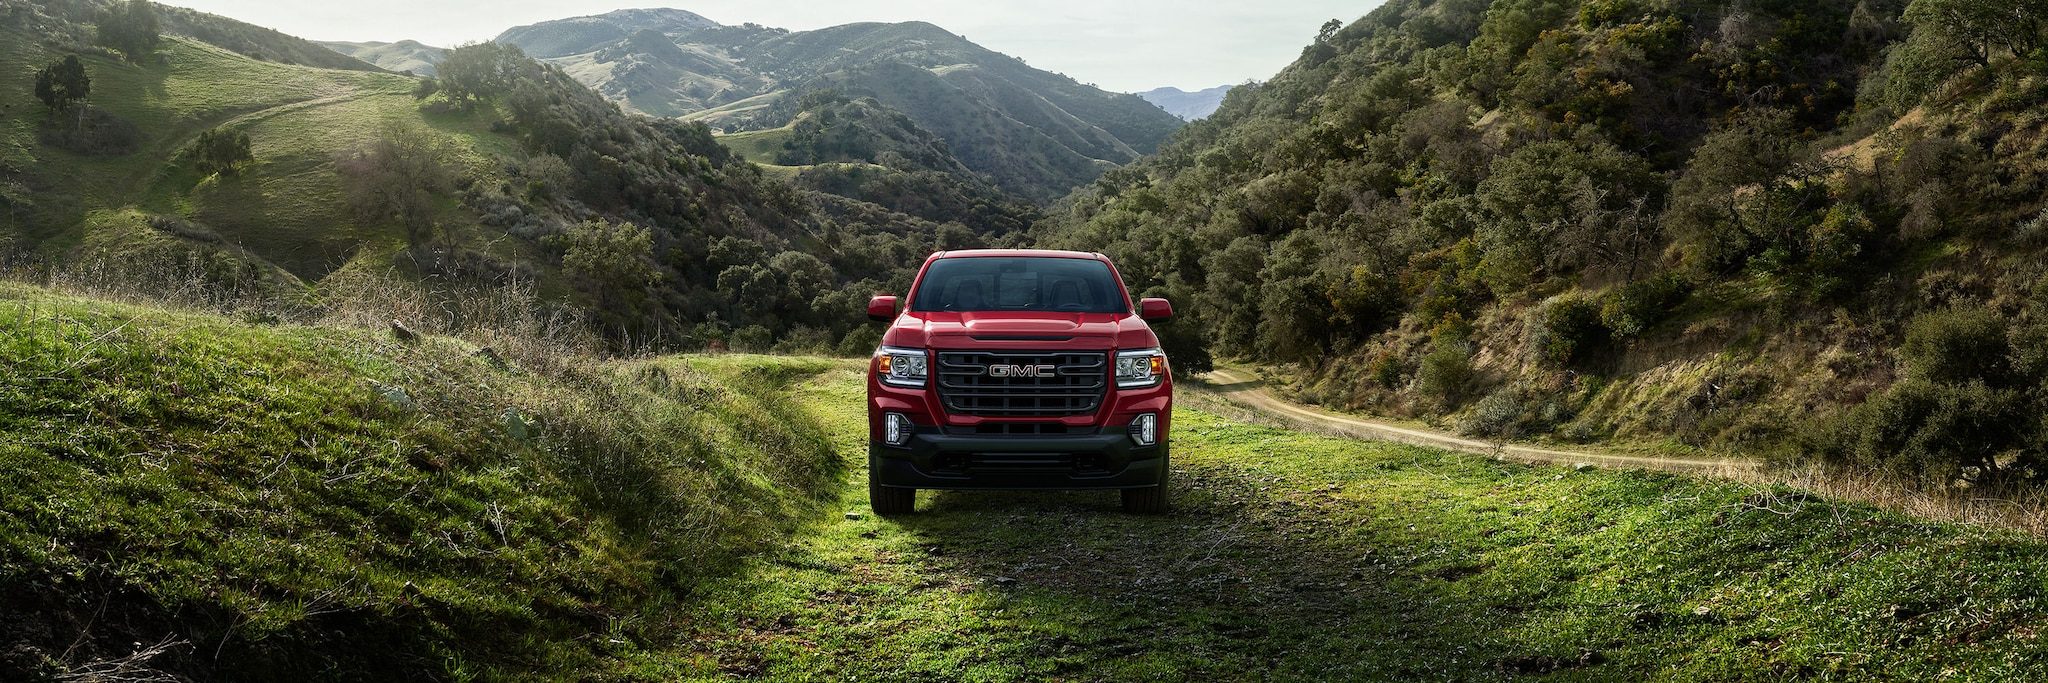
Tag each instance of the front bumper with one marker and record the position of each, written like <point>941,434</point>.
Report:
<point>1107,459</point>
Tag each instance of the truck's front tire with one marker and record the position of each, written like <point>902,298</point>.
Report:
<point>1149,500</point>
<point>891,500</point>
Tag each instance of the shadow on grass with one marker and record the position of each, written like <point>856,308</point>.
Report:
<point>1232,585</point>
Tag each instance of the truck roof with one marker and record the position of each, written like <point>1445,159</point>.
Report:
<point>1015,253</point>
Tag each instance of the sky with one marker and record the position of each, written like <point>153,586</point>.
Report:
<point>1120,45</point>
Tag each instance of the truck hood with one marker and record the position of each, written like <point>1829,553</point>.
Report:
<point>1019,330</point>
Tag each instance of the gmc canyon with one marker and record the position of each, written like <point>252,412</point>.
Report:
<point>1018,369</point>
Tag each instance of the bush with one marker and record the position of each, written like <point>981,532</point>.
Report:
<point>1958,345</point>
<point>1630,309</point>
<point>1567,330</point>
<point>1446,374</point>
<point>1939,433</point>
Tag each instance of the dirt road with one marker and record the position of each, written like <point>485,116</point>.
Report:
<point>1242,388</point>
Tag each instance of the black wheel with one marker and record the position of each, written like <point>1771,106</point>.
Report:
<point>1151,500</point>
<point>891,500</point>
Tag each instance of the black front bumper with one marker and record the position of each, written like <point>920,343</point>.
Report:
<point>933,459</point>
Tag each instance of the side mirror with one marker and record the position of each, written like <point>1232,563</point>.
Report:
<point>1155,310</point>
<point>882,309</point>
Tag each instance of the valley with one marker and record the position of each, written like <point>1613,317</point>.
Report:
<point>1574,339</point>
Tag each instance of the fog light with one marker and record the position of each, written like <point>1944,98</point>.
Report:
<point>896,429</point>
<point>1145,429</point>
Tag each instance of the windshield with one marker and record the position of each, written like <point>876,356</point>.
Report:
<point>1019,284</point>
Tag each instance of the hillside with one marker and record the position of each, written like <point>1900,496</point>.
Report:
<point>250,501</point>
<point>646,229</point>
<point>195,497</point>
<point>1807,229</point>
<point>405,56</point>
<point>1189,106</point>
<point>1036,134</point>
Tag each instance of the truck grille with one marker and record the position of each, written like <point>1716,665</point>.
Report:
<point>1074,386</point>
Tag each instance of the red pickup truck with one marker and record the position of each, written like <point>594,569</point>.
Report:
<point>1018,369</point>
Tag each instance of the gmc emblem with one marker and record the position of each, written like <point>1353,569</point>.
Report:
<point>1022,370</point>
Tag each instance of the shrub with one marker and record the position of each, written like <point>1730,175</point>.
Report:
<point>1446,374</point>
<point>1958,345</point>
<point>1630,309</point>
<point>1935,432</point>
<point>1567,329</point>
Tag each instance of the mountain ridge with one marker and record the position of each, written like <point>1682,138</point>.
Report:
<point>1037,134</point>
<point>1189,106</point>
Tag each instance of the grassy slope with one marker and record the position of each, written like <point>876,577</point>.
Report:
<point>758,146</point>
<point>1293,556</point>
<point>260,496</point>
<point>285,208</point>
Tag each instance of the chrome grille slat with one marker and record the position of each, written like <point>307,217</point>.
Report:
<point>1076,386</point>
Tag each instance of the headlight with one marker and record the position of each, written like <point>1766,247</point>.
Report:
<point>901,367</point>
<point>1140,368</point>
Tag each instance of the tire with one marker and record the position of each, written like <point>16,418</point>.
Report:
<point>1150,500</point>
<point>891,500</point>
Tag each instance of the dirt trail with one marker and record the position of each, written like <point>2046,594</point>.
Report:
<point>1240,387</point>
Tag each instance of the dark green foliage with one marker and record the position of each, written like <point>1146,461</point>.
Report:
<point>1669,175</point>
<point>426,88</point>
<point>1446,376</point>
<point>614,260</point>
<point>221,151</point>
<point>63,84</point>
<point>1568,330</point>
<point>1983,28</point>
<point>1630,310</point>
<point>401,177</point>
<point>132,28</point>
<point>1967,410</point>
<point>1941,433</point>
<point>1958,345</point>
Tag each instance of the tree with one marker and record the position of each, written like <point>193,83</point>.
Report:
<point>63,84</point>
<point>222,151</point>
<point>131,28</point>
<point>480,71</point>
<point>397,176</point>
<point>616,259</point>
<point>1983,26</point>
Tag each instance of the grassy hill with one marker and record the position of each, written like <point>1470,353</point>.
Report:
<point>1759,228</point>
<point>523,183</point>
<point>407,56</point>
<point>281,208</point>
<point>216,500</point>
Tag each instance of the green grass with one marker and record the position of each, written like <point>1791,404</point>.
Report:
<point>286,209</point>
<point>282,499</point>
<point>260,495</point>
<point>758,146</point>
<point>1300,557</point>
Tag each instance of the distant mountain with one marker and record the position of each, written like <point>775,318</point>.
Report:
<point>577,35</point>
<point>404,55</point>
<point>1033,133</point>
<point>1189,106</point>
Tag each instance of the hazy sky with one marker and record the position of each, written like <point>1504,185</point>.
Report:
<point>1124,45</point>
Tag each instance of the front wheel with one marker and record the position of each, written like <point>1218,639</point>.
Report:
<point>891,500</point>
<point>1150,500</point>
